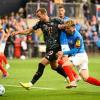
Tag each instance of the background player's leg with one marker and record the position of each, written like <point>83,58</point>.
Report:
<point>3,70</point>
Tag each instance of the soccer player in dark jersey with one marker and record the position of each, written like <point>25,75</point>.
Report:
<point>51,34</point>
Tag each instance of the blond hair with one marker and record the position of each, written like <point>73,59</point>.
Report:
<point>69,23</point>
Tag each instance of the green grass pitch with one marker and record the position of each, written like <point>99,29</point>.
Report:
<point>51,86</point>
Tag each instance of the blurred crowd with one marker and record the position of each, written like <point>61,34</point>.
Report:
<point>18,45</point>
<point>90,30</point>
<point>27,46</point>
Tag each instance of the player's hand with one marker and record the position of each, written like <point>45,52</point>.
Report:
<point>61,26</point>
<point>60,54</point>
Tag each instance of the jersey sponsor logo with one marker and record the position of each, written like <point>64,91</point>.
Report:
<point>65,47</point>
<point>51,52</point>
<point>78,43</point>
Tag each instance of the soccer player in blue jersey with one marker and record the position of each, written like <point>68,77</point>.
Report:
<point>72,75</point>
<point>77,53</point>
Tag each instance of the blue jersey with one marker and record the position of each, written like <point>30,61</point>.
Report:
<point>75,43</point>
<point>66,18</point>
<point>63,35</point>
<point>78,27</point>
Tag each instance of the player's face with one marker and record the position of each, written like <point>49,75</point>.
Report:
<point>69,30</point>
<point>40,16</point>
<point>61,12</point>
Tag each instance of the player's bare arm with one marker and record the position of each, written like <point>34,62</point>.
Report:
<point>59,54</point>
<point>61,26</point>
<point>27,31</point>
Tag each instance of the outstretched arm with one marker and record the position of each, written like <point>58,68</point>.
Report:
<point>27,31</point>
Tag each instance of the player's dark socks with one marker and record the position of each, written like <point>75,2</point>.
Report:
<point>38,73</point>
<point>60,70</point>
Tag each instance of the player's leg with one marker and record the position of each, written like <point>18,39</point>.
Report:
<point>37,75</point>
<point>67,66</point>
<point>5,73</point>
<point>5,61</point>
<point>77,77</point>
<point>91,80</point>
<point>58,68</point>
<point>1,67</point>
<point>3,44</point>
<point>40,70</point>
<point>52,57</point>
<point>66,62</point>
<point>83,70</point>
<point>78,60</point>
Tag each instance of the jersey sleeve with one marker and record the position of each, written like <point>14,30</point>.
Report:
<point>59,20</point>
<point>37,26</point>
<point>76,48</point>
<point>64,42</point>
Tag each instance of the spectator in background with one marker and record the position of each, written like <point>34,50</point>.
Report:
<point>35,40</point>
<point>86,10</point>
<point>77,25</point>
<point>95,25</point>
<point>21,12</point>
<point>10,47</point>
<point>29,45</point>
<point>24,47</point>
<point>86,31</point>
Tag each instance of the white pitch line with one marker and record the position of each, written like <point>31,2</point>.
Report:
<point>41,88</point>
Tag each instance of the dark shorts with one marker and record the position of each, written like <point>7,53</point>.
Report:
<point>51,54</point>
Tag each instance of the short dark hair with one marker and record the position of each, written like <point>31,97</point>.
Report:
<point>42,10</point>
<point>61,7</point>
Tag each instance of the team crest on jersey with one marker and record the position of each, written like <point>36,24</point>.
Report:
<point>71,42</point>
<point>78,43</point>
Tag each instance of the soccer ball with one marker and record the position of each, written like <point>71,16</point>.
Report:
<point>22,57</point>
<point>2,90</point>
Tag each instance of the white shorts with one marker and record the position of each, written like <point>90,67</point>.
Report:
<point>2,46</point>
<point>65,47</point>
<point>80,61</point>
